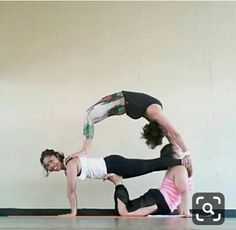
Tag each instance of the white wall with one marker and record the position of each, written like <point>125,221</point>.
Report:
<point>58,58</point>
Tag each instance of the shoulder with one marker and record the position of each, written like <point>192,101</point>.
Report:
<point>179,169</point>
<point>71,159</point>
<point>176,170</point>
<point>73,163</point>
<point>154,110</point>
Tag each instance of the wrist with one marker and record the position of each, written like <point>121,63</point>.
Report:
<point>74,212</point>
<point>187,152</point>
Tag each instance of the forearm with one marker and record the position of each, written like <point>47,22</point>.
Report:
<point>73,202</point>
<point>184,203</point>
<point>176,139</point>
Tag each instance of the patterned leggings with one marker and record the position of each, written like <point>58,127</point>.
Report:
<point>107,106</point>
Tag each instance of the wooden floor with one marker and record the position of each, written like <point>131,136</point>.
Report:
<point>105,223</point>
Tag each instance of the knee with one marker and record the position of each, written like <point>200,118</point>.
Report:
<point>88,116</point>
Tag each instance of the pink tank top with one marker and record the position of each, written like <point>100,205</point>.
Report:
<point>171,193</point>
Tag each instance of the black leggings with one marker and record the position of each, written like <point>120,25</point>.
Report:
<point>151,197</point>
<point>128,168</point>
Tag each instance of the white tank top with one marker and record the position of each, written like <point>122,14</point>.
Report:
<point>94,168</point>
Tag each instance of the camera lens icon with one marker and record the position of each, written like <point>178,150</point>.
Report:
<point>208,208</point>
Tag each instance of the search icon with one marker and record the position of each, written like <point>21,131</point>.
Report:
<point>207,208</point>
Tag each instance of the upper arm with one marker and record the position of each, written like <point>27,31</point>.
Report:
<point>155,113</point>
<point>71,175</point>
<point>181,178</point>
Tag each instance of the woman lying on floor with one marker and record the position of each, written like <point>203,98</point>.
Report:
<point>172,193</point>
<point>97,168</point>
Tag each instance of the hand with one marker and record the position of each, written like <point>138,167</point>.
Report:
<point>187,214</point>
<point>186,161</point>
<point>184,212</point>
<point>107,177</point>
<point>68,215</point>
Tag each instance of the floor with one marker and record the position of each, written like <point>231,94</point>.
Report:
<point>105,223</point>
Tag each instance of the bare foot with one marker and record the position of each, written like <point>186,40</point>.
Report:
<point>115,179</point>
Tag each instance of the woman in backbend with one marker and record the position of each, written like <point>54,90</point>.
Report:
<point>135,105</point>
<point>80,168</point>
<point>172,193</point>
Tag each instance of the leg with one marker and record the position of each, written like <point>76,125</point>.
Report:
<point>120,190</point>
<point>128,168</point>
<point>123,211</point>
<point>141,206</point>
<point>107,106</point>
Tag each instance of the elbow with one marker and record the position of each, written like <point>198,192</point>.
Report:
<point>174,135</point>
<point>71,192</point>
<point>183,189</point>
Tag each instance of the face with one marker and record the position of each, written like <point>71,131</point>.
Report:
<point>52,163</point>
<point>179,154</point>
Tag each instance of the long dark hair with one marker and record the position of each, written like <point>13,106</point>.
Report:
<point>50,152</point>
<point>153,133</point>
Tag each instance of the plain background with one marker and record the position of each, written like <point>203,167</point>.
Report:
<point>58,58</point>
